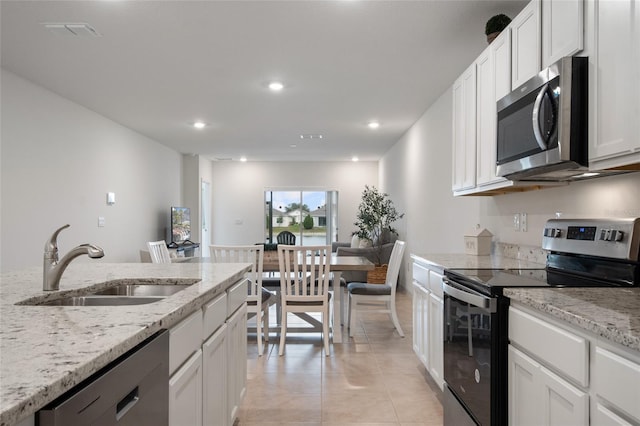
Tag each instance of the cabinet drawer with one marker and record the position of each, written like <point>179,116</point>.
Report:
<point>617,380</point>
<point>184,339</point>
<point>236,296</point>
<point>435,284</point>
<point>421,275</point>
<point>557,347</point>
<point>214,315</point>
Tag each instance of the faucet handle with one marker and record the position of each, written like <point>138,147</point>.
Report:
<point>51,246</point>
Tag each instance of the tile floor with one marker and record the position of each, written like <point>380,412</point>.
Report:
<point>372,379</point>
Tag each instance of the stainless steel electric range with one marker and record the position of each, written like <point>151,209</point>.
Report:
<point>582,253</point>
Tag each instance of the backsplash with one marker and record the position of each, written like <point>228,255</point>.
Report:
<point>520,252</point>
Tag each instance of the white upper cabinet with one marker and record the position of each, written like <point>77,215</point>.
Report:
<point>562,29</point>
<point>493,68</point>
<point>525,44</point>
<point>614,90</point>
<point>464,130</point>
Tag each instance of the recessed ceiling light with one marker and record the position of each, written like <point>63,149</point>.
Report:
<point>199,124</point>
<point>293,145</point>
<point>354,159</point>
<point>276,86</point>
<point>373,124</point>
<point>243,159</point>
<point>311,136</point>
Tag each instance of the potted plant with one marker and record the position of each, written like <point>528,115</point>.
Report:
<point>495,25</point>
<point>376,213</point>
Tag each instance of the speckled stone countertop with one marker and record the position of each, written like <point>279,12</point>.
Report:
<point>464,261</point>
<point>46,350</point>
<point>612,313</point>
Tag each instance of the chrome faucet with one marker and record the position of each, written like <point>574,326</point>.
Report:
<point>53,268</point>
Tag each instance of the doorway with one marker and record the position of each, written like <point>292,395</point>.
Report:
<point>205,203</point>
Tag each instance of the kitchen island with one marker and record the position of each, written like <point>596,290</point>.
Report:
<point>47,350</point>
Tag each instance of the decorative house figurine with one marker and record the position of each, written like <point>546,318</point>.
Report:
<point>478,242</point>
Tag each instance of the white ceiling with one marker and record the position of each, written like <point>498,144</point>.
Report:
<point>160,65</point>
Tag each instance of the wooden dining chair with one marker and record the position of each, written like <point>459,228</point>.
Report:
<point>258,298</point>
<point>381,296</point>
<point>304,285</point>
<point>159,252</point>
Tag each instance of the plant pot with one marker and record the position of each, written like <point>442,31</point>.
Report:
<point>378,275</point>
<point>492,36</point>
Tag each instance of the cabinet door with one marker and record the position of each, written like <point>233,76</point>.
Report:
<point>563,403</point>
<point>436,344</point>
<point>420,318</point>
<point>236,361</point>
<point>525,44</point>
<point>604,417</point>
<point>615,84</point>
<point>501,51</point>
<point>185,393</point>
<point>525,398</point>
<point>214,380</point>
<point>486,118</point>
<point>562,29</point>
<point>464,130</point>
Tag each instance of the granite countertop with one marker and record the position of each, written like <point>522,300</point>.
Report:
<point>47,350</point>
<point>612,313</point>
<point>467,261</point>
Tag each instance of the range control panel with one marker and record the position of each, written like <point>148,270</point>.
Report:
<point>612,238</point>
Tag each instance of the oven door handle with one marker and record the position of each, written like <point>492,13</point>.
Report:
<point>474,299</point>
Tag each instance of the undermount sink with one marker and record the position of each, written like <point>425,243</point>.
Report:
<point>115,293</point>
<point>93,300</point>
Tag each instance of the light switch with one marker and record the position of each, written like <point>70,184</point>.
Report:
<point>101,222</point>
<point>111,198</point>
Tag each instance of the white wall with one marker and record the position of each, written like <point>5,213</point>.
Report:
<point>416,173</point>
<point>58,162</point>
<point>238,193</point>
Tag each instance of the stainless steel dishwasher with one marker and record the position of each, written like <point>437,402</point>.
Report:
<point>132,390</point>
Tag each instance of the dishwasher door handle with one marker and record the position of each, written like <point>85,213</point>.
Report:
<point>127,403</point>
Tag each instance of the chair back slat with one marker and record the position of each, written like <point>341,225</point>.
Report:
<point>253,254</point>
<point>159,252</point>
<point>304,272</point>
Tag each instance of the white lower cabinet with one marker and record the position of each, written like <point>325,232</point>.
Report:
<point>185,393</point>
<point>428,307</point>
<point>420,323</point>
<point>236,361</point>
<point>561,375</point>
<point>214,373</point>
<point>436,344</point>
<point>208,362</point>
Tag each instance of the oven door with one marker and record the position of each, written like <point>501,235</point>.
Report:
<point>468,337</point>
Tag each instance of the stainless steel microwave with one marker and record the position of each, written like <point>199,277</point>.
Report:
<point>542,125</point>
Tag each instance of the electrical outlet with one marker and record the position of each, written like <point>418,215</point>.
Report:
<point>524,226</point>
<point>101,221</point>
<point>516,222</point>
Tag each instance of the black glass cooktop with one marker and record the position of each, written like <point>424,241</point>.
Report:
<point>492,281</point>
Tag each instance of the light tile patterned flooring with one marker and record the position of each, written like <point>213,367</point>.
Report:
<point>373,379</point>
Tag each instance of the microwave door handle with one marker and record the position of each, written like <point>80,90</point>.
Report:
<point>542,143</point>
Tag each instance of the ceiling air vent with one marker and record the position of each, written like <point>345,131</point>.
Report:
<point>223,158</point>
<point>72,29</point>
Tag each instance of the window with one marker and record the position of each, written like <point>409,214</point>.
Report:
<point>310,215</point>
